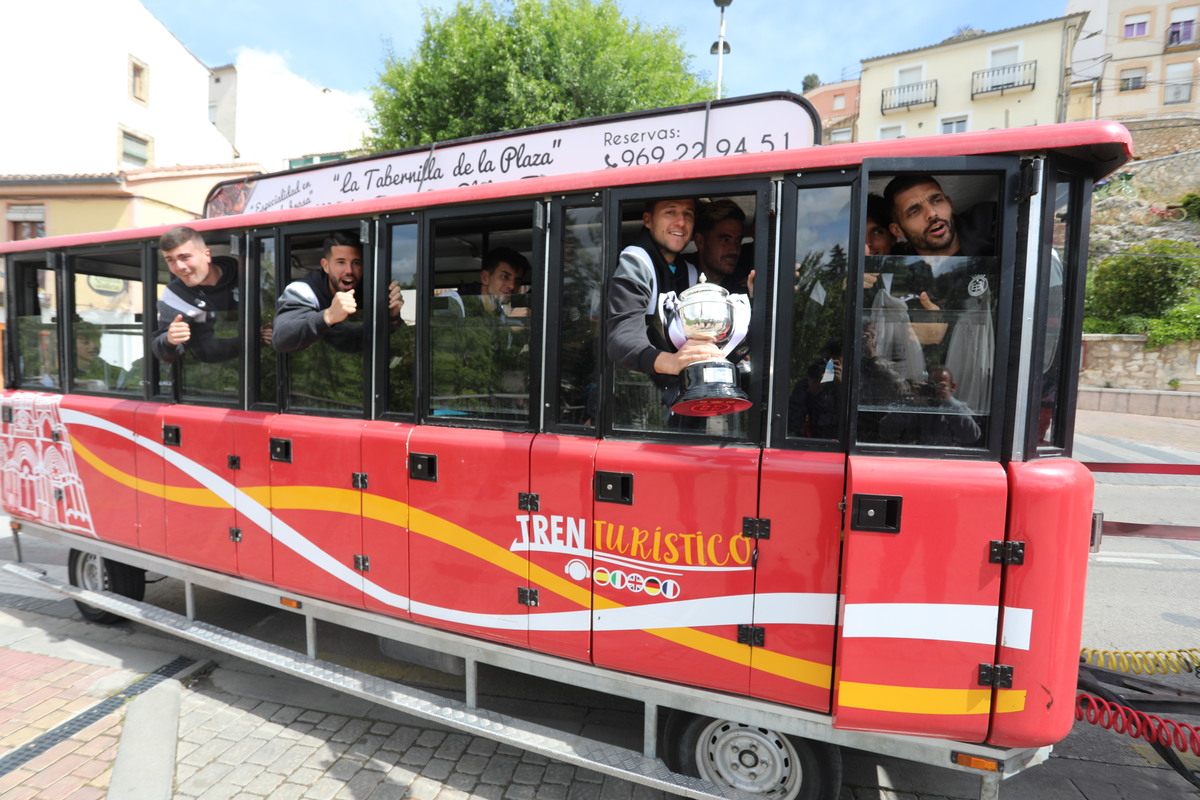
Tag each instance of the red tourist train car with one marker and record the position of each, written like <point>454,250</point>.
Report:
<point>886,549</point>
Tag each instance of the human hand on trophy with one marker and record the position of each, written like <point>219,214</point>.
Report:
<point>699,347</point>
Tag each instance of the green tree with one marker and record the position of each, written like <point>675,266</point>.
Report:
<point>481,68</point>
<point>811,81</point>
<point>1145,281</point>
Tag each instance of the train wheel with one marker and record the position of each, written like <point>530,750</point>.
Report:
<point>89,571</point>
<point>754,760</point>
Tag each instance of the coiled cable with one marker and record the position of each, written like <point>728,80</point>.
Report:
<point>1137,724</point>
<point>1145,662</point>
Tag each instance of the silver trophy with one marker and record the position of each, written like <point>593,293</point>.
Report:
<point>710,387</point>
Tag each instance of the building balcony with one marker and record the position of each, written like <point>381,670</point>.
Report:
<point>1004,79</point>
<point>909,95</point>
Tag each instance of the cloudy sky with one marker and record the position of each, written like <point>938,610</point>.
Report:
<point>773,43</point>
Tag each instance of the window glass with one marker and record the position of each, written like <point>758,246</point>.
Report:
<point>579,319</point>
<point>400,357</point>
<point>1136,25</point>
<point>647,306</point>
<point>325,273</point>
<point>268,292</point>
<point>815,399</point>
<point>929,313</point>
<point>36,296</point>
<point>481,319</point>
<point>209,358</point>
<point>1133,79</point>
<point>109,343</point>
<point>1054,368</point>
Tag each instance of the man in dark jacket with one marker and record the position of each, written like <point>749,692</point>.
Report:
<point>651,266</point>
<point>201,288</point>
<point>320,305</point>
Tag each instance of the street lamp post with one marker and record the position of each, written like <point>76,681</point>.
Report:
<point>720,47</point>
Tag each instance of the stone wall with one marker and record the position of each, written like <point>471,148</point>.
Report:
<point>1168,178</point>
<point>1162,136</point>
<point>1114,361</point>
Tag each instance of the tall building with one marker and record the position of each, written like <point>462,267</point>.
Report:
<point>106,120</point>
<point>972,81</point>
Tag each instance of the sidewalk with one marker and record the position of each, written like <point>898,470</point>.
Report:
<point>1183,434</point>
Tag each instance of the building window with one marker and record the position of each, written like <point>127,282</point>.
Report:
<point>139,80</point>
<point>891,132</point>
<point>1178,83</point>
<point>954,125</point>
<point>1136,25</point>
<point>839,102</point>
<point>1182,30</point>
<point>838,135</point>
<point>1133,79</point>
<point>26,222</point>
<point>135,151</point>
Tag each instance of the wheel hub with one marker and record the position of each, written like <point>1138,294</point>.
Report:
<point>753,760</point>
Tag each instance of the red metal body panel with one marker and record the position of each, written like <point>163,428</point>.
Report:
<point>252,502</point>
<point>66,466</point>
<point>796,577</point>
<point>151,506</point>
<point>199,518</point>
<point>674,577</point>
<point>557,539</point>
<point>385,517</point>
<point>318,512</point>
<point>1051,511</point>
<point>464,576</point>
<point>919,607</point>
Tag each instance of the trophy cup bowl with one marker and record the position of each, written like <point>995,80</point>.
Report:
<point>710,387</point>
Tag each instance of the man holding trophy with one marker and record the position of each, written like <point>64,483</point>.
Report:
<point>667,323</point>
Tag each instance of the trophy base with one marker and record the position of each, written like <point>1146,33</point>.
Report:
<point>710,389</point>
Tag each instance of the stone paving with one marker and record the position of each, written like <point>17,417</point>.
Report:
<point>38,693</point>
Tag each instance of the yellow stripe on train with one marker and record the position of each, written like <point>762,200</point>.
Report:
<point>924,700</point>
<point>375,507</point>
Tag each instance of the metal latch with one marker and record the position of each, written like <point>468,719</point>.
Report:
<point>753,635</point>
<point>756,527</point>
<point>527,596</point>
<point>1006,552</point>
<point>998,675</point>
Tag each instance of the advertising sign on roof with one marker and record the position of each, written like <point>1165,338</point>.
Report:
<point>704,130</point>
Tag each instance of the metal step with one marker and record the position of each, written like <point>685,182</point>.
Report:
<point>568,748</point>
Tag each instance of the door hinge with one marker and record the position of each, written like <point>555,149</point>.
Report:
<point>999,676</point>
<point>358,480</point>
<point>527,596</point>
<point>753,635</point>
<point>233,462</point>
<point>362,563</point>
<point>235,534</point>
<point>756,527</point>
<point>1029,180</point>
<point>1006,552</point>
<point>527,501</point>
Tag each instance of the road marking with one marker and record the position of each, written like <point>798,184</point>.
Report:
<point>1158,556</point>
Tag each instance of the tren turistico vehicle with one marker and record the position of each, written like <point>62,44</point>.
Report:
<point>884,549</point>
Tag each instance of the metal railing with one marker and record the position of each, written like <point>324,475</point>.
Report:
<point>907,95</point>
<point>1002,79</point>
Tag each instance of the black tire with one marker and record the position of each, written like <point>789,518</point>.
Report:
<point>755,760</point>
<point>89,571</point>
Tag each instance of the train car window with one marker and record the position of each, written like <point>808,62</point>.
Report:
<point>645,308</point>
<point>400,356</point>
<point>324,362</point>
<point>106,329</point>
<point>199,294</point>
<point>818,370</point>
<point>1055,351</point>
<point>481,319</point>
<point>928,337</point>
<point>36,297</point>
<point>268,293</point>
<point>582,250</point>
